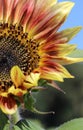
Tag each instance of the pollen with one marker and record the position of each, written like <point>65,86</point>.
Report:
<point>16,49</point>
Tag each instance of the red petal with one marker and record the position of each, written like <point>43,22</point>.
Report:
<point>8,105</point>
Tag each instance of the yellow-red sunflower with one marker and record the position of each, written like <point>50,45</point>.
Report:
<point>31,48</point>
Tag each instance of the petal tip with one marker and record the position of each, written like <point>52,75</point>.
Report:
<point>69,6</point>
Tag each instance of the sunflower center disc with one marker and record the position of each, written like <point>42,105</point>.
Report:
<point>11,53</point>
<point>16,49</point>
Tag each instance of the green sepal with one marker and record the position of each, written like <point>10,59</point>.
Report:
<point>41,86</point>
<point>42,82</point>
<point>29,101</point>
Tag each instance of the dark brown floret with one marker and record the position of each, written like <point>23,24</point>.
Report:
<point>16,49</point>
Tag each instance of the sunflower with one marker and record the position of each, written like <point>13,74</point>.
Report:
<point>31,48</point>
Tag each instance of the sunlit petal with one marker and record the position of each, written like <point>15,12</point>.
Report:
<point>32,80</point>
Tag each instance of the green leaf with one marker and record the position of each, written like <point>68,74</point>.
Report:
<point>35,125</point>
<point>29,125</point>
<point>23,125</point>
<point>53,129</point>
<point>75,124</point>
<point>8,127</point>
<point>77,53</point>
<point>3,120</point>
<point>16,128</point>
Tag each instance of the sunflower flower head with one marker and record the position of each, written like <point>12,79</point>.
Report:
<point>31,48</point>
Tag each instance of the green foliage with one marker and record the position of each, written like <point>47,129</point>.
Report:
<point>29,125</point>
<point>75,124</point>
<point>29,102</point>
<point>35,125</point>
<point>16,128</point>
<point>8,127</point>
<point>23,125</point>
<point>77,53</point>
<point>42,82</point>
<point>3,120</point>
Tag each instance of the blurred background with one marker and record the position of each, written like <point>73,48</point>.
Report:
<point>70,105</point>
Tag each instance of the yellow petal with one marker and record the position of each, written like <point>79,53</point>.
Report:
<point>16,91</point>
<point>50,2</point>
<point>17,76</point>
<point>68,60</point>
<point>65,49</point>
<point>4,94</point>
<point>68,33</point>
<point>66,7</point>
<point>32,80</point>
<point>56,50</point>
<point>59,73</point>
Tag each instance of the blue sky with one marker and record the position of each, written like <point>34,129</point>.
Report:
<point>75,19</point>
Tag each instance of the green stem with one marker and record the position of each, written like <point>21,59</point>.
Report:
<point>13,119</point>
